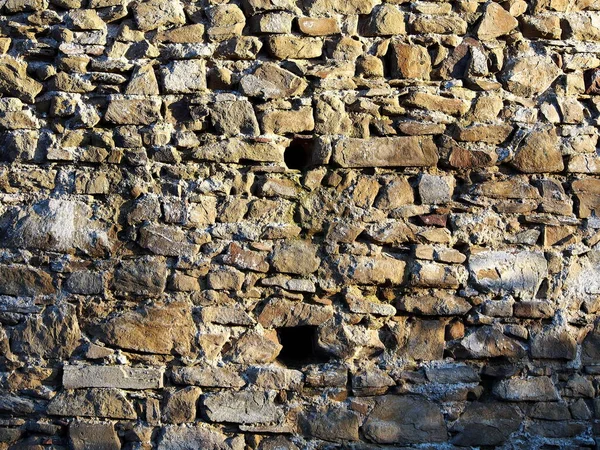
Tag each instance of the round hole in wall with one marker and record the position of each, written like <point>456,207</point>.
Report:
<point>299,154</point>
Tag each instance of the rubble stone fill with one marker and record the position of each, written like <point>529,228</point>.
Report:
<point>299,224</point>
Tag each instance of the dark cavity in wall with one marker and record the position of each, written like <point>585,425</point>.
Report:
<point>299,154</point>
<point>299,346</point>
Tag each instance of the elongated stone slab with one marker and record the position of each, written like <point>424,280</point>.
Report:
<point>123,377</point>
<point>397,151</point>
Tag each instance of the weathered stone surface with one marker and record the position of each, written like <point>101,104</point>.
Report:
<point>490,342</point>
<point>255,347</point>
<point>539,152</point>
<point>14,80</point>
<point>587,191</point>
<point>293,47</point>
<point>242,407</point>
<point>15,404</point>
<point>153,14</point>
<point>180,405</point>
<point>530,76</point>
<point>425,341</point>
<point>517,273</point>
<point>143,82</point>
<point>297,257</point>
<point>274,377</point>
<point>401,151</point>
<point>155,328</point>
<point>330,424</point>
<point>133,110</point>
<point>321,26</point>
<point>404,420</point>
<point>358,303</point>
<point>349,341</point>
<point>439,24</point>
<point>184,77</point>
<point>246,259</point>
<point>122,377</point>
<point>144,276</point>
<point>166,240</point>
<point>554,343</point>
<point>366,270</point>
<point>282,122</point>
<point>495,22</point>
<point>52,334</point>
<point>208,376</point>
<point>233,118</point>
<point>331,223</point>
<point>108,403</point>
<point>452,106</point>
<point>22,280</point>
<point>285,313</point>
<point>590,351</point>
<point>446,305</point>
<point>188,34</point>
<point>486,424</point>
<point>225,21</point>
<point>410,61</point>
<point>271,81</point>
<point>319,7</point>
<point>63,226</point>
<point>234,150</point>
<point>452,374</point>
<point>386,20</point>
<point>527,389</point>
<point>178,437</point>
<point>99,436</point>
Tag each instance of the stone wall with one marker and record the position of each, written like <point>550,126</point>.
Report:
<point>288,224</point>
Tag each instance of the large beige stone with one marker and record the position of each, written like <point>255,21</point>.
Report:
<point>294,47</point>
<point>153,14</point>
<point>225,21</point>
<point>318,26</point>
<point>527,389</point>
<point>279,312</point>
<point>14,80</point>
<point>297,257</point>
<point>495,22</point>
<point>18,280</point>
<point>319,7</point>
<point>386,20</point>
<point>156,328</point>
<point>529,76</point>
<point>292,121</point>
<point>410,61</point>
<point>401,151</point>
<point>271,81</point>
<point>133,110</point>
<point>539,152</point>
<point>432,102</point>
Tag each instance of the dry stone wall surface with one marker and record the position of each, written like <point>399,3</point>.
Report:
<point>299,224</point>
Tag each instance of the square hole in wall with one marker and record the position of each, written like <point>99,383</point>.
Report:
<point>299,346</point>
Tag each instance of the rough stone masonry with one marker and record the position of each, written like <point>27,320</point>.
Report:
<point>299,224</point>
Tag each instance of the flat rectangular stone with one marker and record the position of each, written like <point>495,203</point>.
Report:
<point>122,377</point>
<point>397,151</point>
